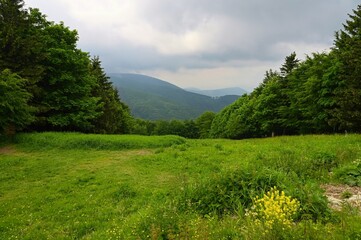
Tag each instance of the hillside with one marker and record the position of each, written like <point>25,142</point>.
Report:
<point>219,92</point>
<point>153,99</point>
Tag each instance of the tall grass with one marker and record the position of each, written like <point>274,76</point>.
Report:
<point>67,141</point>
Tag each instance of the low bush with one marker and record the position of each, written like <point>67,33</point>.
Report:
<point>230,192</point>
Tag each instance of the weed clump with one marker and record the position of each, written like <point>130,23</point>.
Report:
<point>350,174</point>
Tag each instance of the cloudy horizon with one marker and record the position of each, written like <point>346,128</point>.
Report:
<point>205,44</point>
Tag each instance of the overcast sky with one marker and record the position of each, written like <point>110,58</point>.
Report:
<point>200,43</point>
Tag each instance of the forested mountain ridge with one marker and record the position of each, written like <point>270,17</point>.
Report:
<point>153,99</point>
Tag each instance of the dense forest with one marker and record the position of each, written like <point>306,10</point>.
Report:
<point>48,84</point>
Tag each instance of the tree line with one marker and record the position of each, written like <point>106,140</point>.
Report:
<point>47,83</point>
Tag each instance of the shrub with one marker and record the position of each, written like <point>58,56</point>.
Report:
<point>230,192</point>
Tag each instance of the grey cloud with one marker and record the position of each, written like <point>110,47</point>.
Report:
<point>229,32</point>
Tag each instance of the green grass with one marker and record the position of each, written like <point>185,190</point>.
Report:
<point>82,186</point>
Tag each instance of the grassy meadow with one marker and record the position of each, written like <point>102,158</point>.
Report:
<point>83,186</point>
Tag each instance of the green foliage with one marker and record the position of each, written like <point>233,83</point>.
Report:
<point>185,128</point>
<point>312,98</point>
<point>57,74</point>
<point>314,204</point>
<point>266,107</point>
<point>346,194</point>
<point>225,123</point>
<point>204,124</point>
<point>291,62</point>
<point>229,192</point>
<point>142,127</point>
<point>114,115</point>
<point>348,91</point>
<point>14,109</point>
<point>350,174</point>
<point>65,101</point>
<point>21,47</point>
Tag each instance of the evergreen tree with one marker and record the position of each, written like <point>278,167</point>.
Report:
<point>348,92</point>
<point>114,115</point>
<point>291,62</point>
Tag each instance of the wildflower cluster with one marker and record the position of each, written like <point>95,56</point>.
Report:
<point>274,208</point>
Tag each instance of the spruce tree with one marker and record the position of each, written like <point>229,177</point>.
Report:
<point>114,115</point>
<point>348,91</point>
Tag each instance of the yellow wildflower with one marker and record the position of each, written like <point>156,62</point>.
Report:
<point>274,208</point>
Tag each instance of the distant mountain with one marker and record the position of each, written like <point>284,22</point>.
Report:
<point>219,92</point>
<point>154,99</point>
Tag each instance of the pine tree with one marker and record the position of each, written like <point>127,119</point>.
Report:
<point>348,92</point>
<point>291,62</point>
<point>114,115</point>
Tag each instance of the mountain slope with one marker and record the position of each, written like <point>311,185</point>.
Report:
<point>154,99</point>
<point>219,92</point>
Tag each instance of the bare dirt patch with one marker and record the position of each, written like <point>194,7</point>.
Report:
<point>339,195</point>
<point>142,152</point>
<point>7,150</point>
